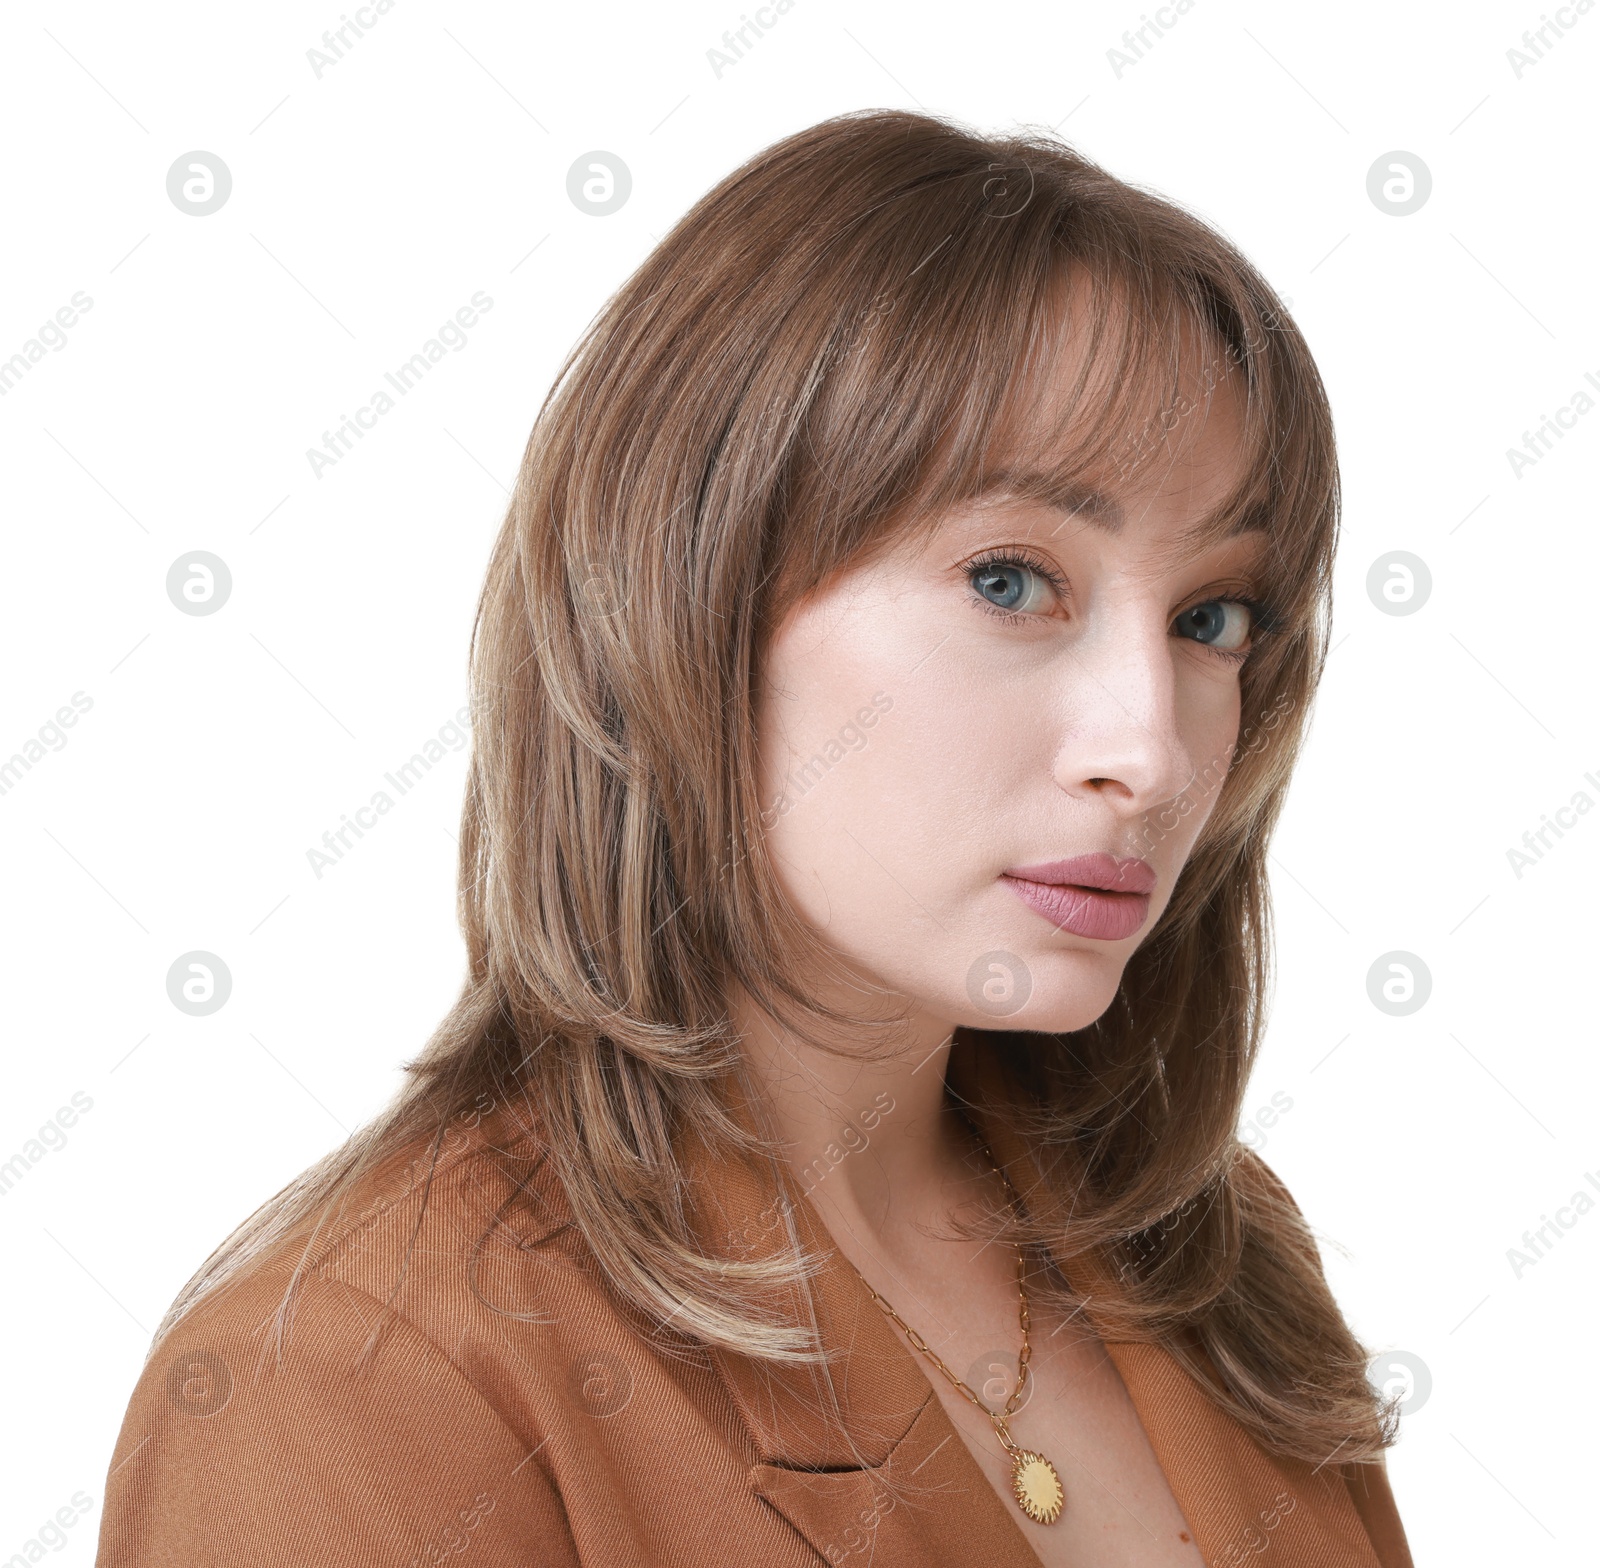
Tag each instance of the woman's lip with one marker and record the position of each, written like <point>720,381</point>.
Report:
<point>1105,872</point>
<point>1084,911</point>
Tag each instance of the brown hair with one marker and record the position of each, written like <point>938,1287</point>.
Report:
<point>825,352</point>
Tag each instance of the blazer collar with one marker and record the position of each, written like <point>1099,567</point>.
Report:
<point>902,1486</point>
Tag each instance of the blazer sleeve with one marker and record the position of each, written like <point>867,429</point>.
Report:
<point>334,1450</point>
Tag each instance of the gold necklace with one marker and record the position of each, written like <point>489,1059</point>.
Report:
<point>1035,1483</point>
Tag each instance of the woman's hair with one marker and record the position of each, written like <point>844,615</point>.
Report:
<point>834,346</point>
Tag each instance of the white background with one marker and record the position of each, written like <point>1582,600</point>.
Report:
<point>430,163</point>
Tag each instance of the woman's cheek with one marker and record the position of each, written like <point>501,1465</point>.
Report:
<point>1208,720</point>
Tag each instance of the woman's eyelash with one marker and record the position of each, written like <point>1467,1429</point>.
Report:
<point>1019,557</point>
<point>1263,618</point>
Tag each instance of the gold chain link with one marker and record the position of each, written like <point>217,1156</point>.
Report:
<point>998,1417</point>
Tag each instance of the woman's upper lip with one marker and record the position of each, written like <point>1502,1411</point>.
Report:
<point>1109,873</point>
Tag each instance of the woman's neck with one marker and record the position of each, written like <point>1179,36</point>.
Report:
<point>870,1135</point>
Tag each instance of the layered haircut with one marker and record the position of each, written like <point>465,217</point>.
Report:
<point>838,343</point>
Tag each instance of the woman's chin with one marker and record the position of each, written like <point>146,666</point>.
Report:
<point>1045,995</point>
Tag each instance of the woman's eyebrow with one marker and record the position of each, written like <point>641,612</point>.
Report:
<point>1077,498</point>
<point>1073,497</point>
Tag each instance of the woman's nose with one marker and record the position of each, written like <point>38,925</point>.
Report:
<point>1121,739</point>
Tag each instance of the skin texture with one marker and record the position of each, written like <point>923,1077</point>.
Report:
<point>1006,741</point>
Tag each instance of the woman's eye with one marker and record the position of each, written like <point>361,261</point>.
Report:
<point>1013,586</point>
<point>1223,624</point>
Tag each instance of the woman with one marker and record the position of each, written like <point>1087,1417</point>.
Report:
<point>885,685</point>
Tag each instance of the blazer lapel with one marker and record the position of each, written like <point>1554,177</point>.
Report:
<point>926,1505</point>
<point>875,1468</point>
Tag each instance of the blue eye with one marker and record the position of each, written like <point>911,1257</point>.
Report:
<point>1223,624</point>
<point>1011,585</point>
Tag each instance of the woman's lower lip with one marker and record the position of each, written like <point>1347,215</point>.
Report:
<point>1084,911</point>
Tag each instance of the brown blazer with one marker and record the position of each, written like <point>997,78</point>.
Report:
<point>566,1435</point>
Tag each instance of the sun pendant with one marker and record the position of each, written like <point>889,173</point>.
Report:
<point>1037,1487</point>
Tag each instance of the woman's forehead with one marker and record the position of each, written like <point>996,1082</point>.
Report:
<point>1110,403</point>
<point>1198,469</point>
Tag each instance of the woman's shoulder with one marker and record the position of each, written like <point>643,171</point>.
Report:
<point>400,1359</point>
<point>442,1215</point>
<point>438,1230</point>
<point>433,1224</point>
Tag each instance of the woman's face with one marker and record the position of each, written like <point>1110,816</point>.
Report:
<point>985,756</point>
